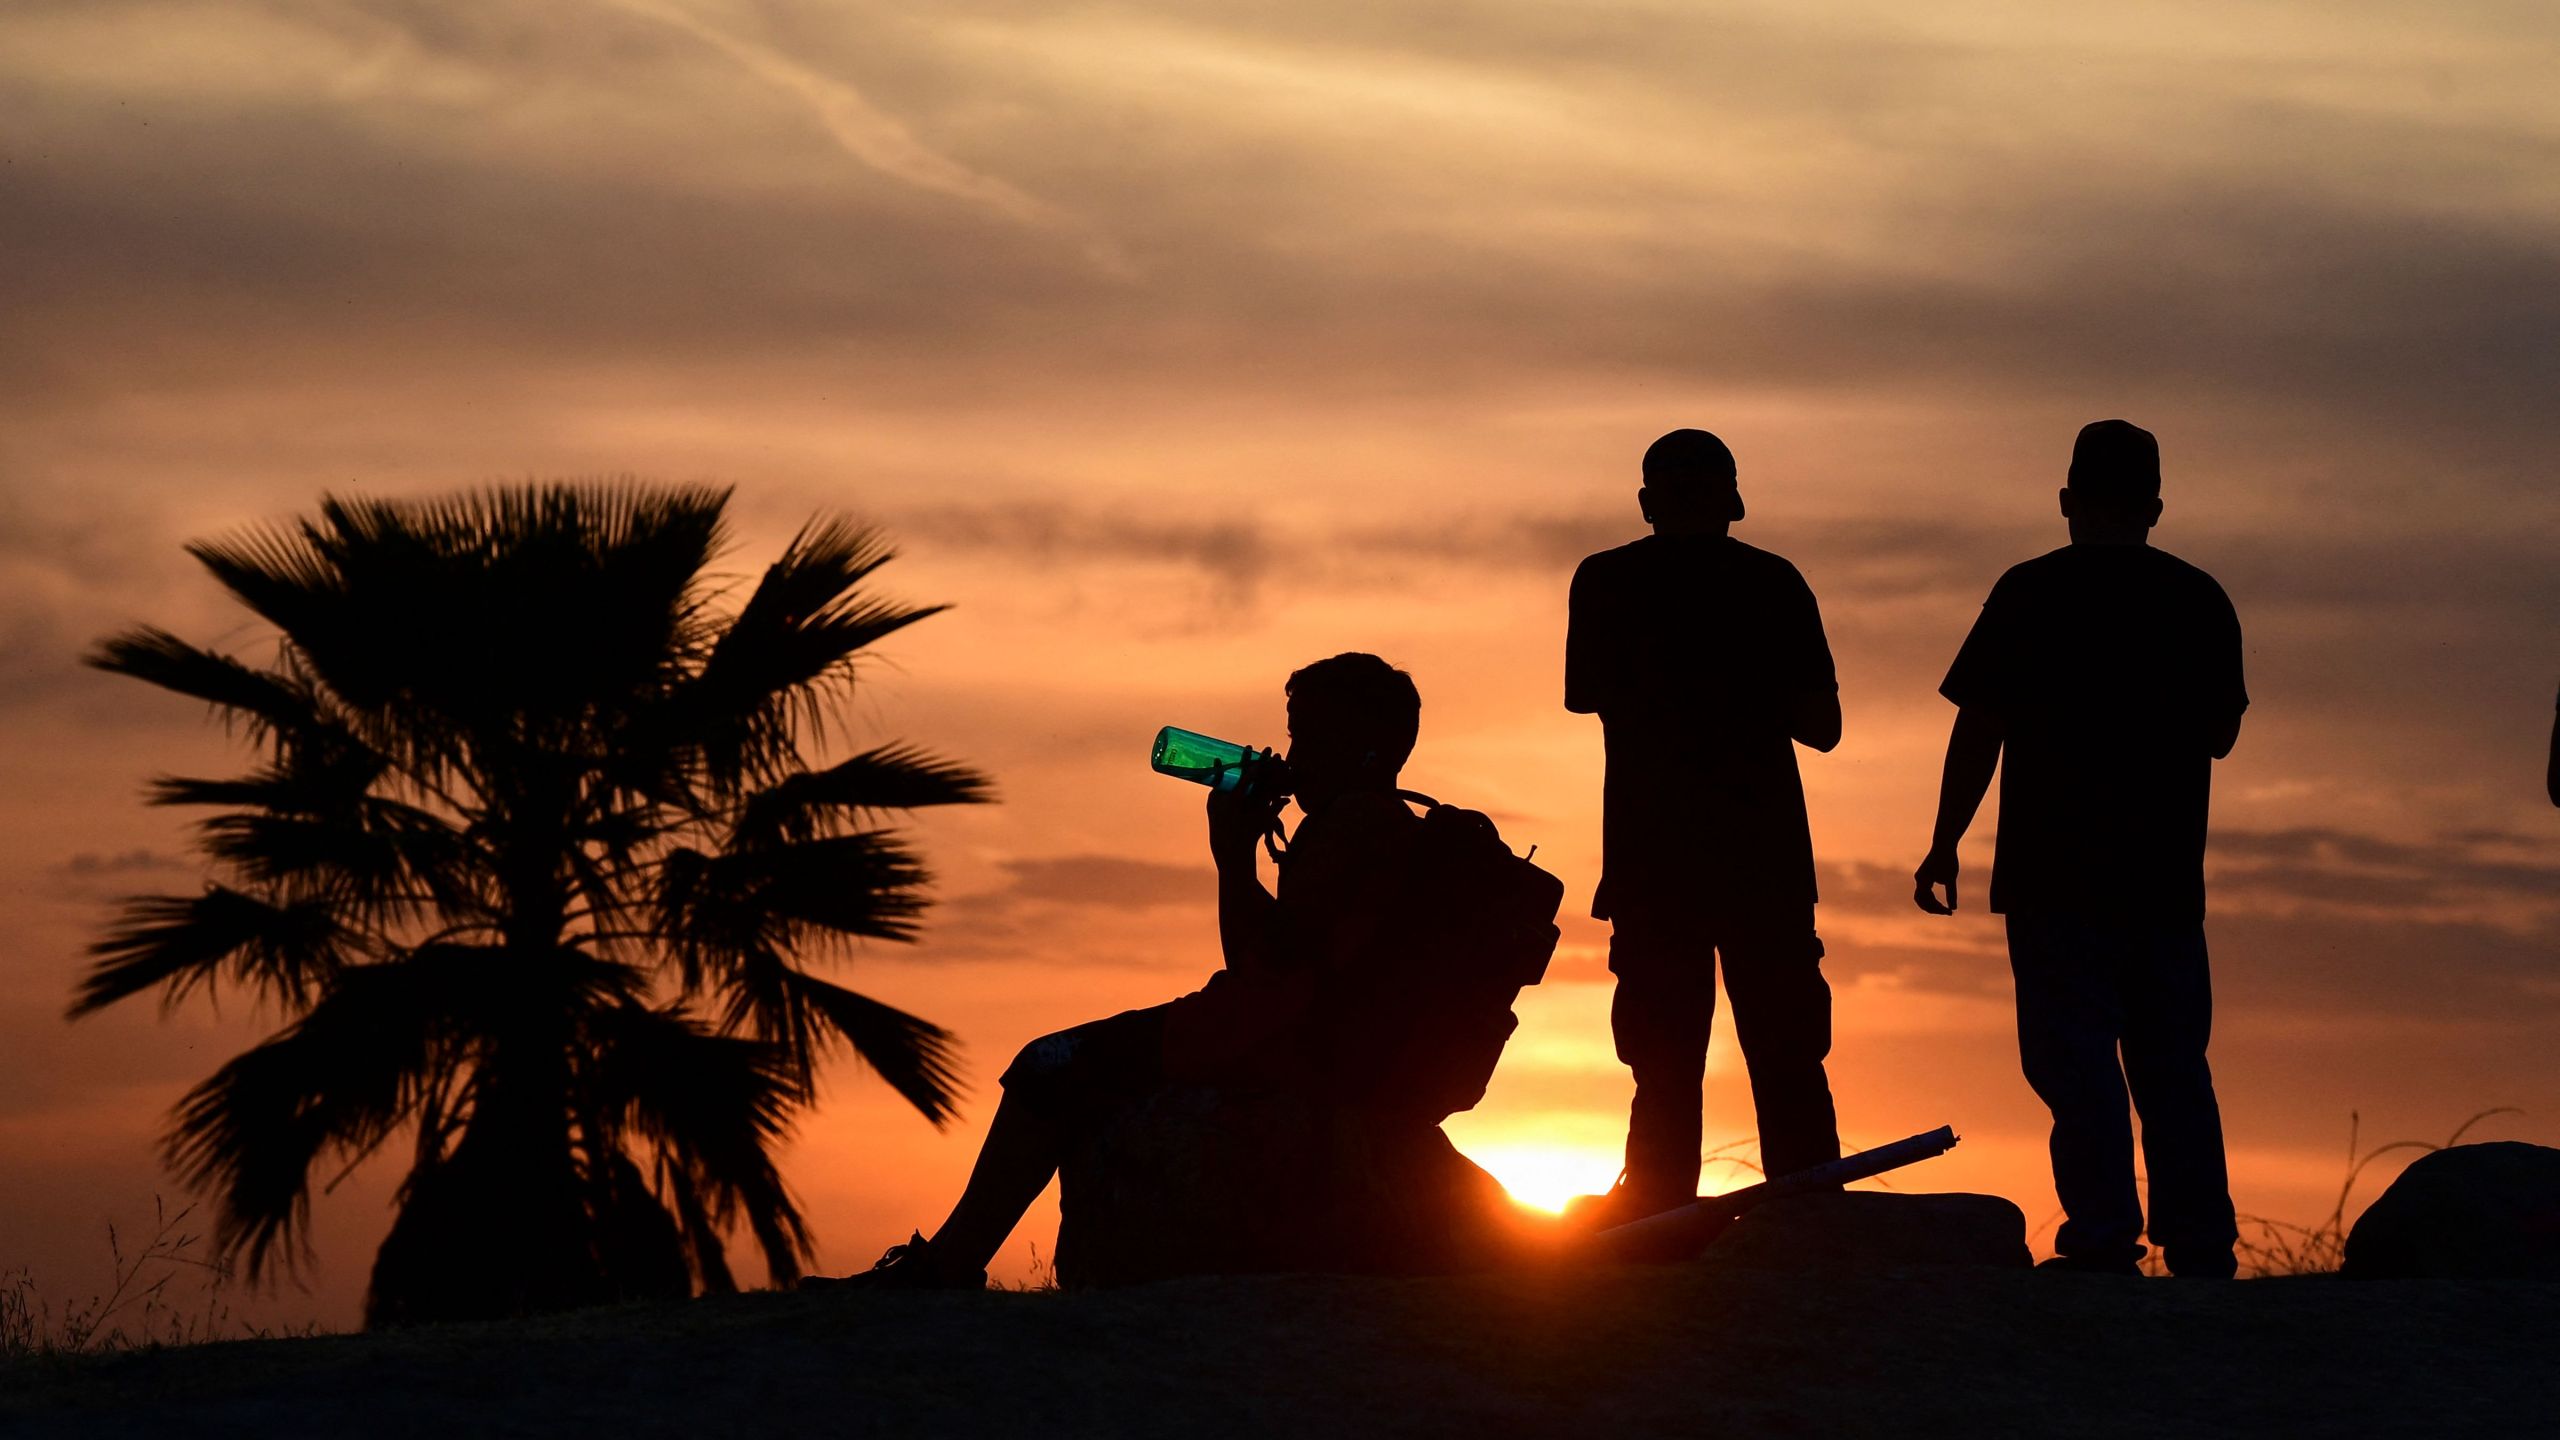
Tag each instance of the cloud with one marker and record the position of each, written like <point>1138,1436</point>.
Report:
<point>2304,921</point>
<point>867,133</point>
<point>1877,206</point>
<point>2333,867</point>
<point>1234,554</point>
<point>1108,881</point>
<point>123,862</point>
<point>72,565</point>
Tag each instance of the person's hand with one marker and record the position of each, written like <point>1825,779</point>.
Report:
<point>1939,869</point>
<point>1239,818</point>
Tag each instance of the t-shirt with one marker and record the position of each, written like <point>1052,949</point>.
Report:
<point>2114,668</point>
<point>1694,651</point>
<point>1340,880</point>
<point>1339,884</point>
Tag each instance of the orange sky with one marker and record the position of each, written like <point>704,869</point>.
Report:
<point>1185,343</point>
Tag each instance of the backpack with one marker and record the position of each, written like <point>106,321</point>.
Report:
<point>1476,925</point>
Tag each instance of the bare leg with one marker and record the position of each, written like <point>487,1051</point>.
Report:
<point>1025,1143</point>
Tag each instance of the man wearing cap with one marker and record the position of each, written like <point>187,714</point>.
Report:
<point>1705,660</point>
<point>2102,681</point>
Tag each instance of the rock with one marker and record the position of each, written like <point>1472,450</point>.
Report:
<point>1195,1181</point>
<point>2470,1212</point>
<point>1869,1229</point>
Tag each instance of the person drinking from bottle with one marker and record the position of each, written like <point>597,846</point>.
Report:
<point>2102,680</point>
<point>1705,660</point>
<point>1260,1019</point>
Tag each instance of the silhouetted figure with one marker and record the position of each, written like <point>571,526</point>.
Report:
<point>2102,681</point>
<point>1273,1020</point>
<point>2551,776</point>
<point>1705,660</point>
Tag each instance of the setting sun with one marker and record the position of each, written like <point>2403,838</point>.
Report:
<point>1544,1177</point>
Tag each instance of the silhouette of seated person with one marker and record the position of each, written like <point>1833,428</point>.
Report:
<point>1312,1172</point>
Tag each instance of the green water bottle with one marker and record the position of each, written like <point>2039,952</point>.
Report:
<point>1201,759</point>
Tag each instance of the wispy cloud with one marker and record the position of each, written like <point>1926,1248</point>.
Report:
<point>872,135</point>
<point>124,862</point>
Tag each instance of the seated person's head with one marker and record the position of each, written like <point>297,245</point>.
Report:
<point>2113,492</point>
<point>1689,484</point>
<point>1352,723</point>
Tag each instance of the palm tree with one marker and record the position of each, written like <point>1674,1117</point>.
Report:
<point>530,865</point>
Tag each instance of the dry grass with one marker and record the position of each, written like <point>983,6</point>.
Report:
<point>143,1307</point>
<point>2281,1247</point>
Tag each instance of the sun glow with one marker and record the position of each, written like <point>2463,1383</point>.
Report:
<point>1544,1177</point>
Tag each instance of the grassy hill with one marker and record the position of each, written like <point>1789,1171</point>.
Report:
<point>1707,1348</point>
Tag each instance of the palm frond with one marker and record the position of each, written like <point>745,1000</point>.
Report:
<point>318,784</point>
<point>281,951</point>
<point>709,1253</point>
<point>888,777</point>
<point>913,1056</point>
<point>867,884</point>
<point>312,829</point>
<point>537,600</point>
<point>338,1081</point>
<point>716,1107</point>
<point>804,1017</point>
<point>798,632</point>
<point>156,657</point>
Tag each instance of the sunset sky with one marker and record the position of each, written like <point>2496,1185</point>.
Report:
<point>1180,344</point>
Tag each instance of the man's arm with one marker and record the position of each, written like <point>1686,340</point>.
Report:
<point>1587,637</point>
<point>1237,822</point>
<point>2551,777</point>
<point>1813,712</point>
<point>2231,693</point>
<point>2228,735</point>
<point>1814,719</point>
<point>1973,753</point>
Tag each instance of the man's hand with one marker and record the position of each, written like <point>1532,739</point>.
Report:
<point>1939,869</point>
<point>1239,818</point>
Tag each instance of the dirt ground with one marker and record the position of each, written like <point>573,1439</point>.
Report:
<point>1706,1348</point>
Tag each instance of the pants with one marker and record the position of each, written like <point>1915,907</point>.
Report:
<point>2089,992</point>
<point>1076,1077</point>
<point>1664,1010</point>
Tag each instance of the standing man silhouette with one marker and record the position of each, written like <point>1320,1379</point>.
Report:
<point>2102,680</point>
<point>1705,660</point>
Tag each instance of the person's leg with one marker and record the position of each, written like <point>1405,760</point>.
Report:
<point>2168,1005</point>
<point>1661,1014</point>
<point>1057,1088</point>
<point>1025,1144</point>
<point>2067,1028</point>
<point>1782,1016</point>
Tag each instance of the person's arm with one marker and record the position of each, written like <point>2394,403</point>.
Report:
<point>1588,636</point>
<point>1237,822</point>
<point>1814,719</point>
<point>1973,753</point>
<point>2226,736</point>
<point>2222,731</point>
<point>1813,713</point>
<point>1983,684</point>
<point>2551,777</point>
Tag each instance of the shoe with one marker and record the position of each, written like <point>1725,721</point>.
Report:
<point>911,1266</point>
<point>2213,1263</point>
<point>2091,1265</point>
<point>1591,1214</point>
